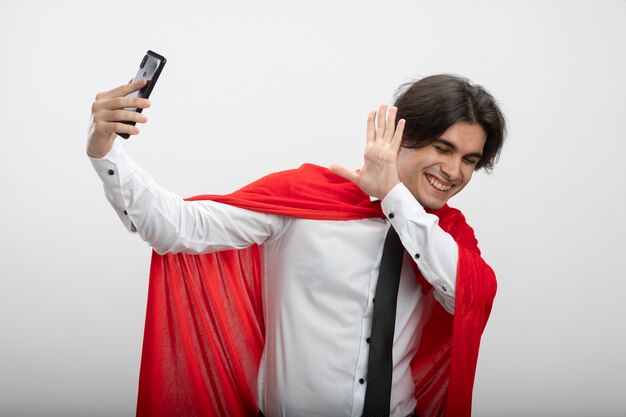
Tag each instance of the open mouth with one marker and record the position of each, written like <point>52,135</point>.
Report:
<point>436,184</point>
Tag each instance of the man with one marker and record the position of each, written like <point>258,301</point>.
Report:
<point>319,272</point>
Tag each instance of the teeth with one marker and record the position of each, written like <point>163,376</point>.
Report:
<point>433,181</point>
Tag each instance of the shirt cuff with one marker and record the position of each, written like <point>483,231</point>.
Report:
<point>115,169</point>
<point>400,198</point>
<point>403,212</point>
<point>111,165</point>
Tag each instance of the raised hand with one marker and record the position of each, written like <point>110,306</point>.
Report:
<point>107,114</point>
<point>379,173</point>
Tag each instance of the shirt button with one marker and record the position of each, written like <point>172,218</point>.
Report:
<point>361,381</point>
<point>417,256</point>
<point>391,215</point>
<point>111,172</point>
<point>368,340</point>
<point>125,213</point>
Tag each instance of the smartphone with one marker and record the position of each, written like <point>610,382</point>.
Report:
<point>150,68</point>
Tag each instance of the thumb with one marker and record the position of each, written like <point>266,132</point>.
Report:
<point>344,172</point>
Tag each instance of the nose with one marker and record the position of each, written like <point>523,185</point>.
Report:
<point>451,169</point>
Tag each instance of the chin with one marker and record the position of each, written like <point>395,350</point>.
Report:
<point>428,200</point>
<point>432,204</point>
<point>436,206</point>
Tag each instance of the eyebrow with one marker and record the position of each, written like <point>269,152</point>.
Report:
<point>454,148</point>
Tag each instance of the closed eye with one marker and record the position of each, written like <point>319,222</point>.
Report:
<point>442,149</point>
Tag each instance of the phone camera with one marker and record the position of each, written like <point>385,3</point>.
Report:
<point>143,61</point>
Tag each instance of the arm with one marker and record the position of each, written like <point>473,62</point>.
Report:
<point>162,218</point>
<point>433,250</point>
<point>170,224</point>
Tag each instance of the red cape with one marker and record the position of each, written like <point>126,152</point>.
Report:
<point>204,328</point>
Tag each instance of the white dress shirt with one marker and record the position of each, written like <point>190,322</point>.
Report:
<point>319,279</point>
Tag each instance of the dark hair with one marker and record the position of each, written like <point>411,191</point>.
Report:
<point>433,104</point>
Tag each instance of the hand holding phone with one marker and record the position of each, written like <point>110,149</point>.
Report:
<point>150,69</point>
<point>115,112</point>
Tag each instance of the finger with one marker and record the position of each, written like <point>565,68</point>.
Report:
<point>380,121</point>
<point>370,134</point>
<point>123,90</point>
<point>119,127</point>
<point>344,172</point>
<point>106,128</point>
<point>124,115</point>
<point>122,103</point>
<point>397,137</point>
<point>391,125</point>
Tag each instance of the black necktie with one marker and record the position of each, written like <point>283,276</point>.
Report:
<point>380,365</point>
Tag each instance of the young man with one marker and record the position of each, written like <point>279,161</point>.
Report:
<point>321,241</point>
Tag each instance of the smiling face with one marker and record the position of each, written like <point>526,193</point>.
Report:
<point>437,171</point>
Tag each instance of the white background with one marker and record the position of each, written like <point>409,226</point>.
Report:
<point>254,87</point>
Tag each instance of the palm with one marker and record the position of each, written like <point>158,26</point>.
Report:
<point>379,173</point>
